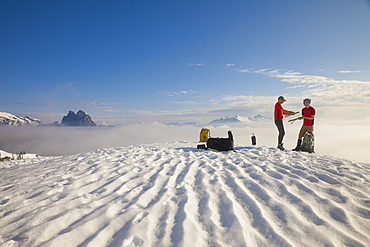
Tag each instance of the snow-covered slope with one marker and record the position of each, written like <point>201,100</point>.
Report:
<point>10,119</point>
<point>175,195</point>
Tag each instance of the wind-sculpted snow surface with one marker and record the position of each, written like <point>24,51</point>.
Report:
<point>175,195</point>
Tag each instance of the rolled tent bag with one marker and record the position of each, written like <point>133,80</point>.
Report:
<point>221,144</point>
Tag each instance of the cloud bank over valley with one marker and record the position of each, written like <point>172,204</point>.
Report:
<point>341,141</point>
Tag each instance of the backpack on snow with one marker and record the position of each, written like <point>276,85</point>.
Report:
<point>221,144</point>
<point>308,143</point>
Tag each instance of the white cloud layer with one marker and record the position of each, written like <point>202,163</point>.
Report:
<point>342,141</point>
<point>337,101</point>
<point>342,121</point>
<point>178,93</point>
<point>349,71</point>
<point>339,96</point>
<point>189,102</point>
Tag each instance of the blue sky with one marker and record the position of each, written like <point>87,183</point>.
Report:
<point>182,60</point>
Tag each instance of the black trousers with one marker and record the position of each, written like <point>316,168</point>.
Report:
<point>280,126</point>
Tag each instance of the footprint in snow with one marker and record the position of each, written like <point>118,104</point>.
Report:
<point>35,195</point>
<point>3,202</point>
<point>133,241</point>
<point>8,187</point>
<point>328,179</point>
<point>140,217</point>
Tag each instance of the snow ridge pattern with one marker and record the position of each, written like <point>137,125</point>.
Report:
<point>174,195</point>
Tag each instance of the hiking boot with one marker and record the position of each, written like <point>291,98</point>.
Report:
<point>280,146</point>
<point>299,145</point>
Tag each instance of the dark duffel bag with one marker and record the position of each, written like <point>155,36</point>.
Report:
<point>202,146</point>
<point>221,144</point>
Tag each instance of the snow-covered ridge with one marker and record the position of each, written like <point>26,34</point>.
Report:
<point>259,117</point>
<point>227,120</point>
<point>183,124</point>
<point>10,119</point>
<point>239,119</point>
<point>6,155</point>
<point>175,195</point>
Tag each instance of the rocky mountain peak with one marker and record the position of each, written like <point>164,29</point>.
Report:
<point>79,119</point>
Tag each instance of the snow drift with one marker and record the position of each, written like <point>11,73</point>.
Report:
<point>175,195</point>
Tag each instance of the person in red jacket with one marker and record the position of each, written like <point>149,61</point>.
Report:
<point>308,116</point>
<point>279,113</point>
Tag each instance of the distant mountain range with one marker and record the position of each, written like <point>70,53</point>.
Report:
<point>239,119</point>
<point>183,124</point>
<point>80,118</point>
<point>227,120</point>
<point>13,120</point>
<point>259,117</point>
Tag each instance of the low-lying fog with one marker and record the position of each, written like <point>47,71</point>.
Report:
<point>351,142</point>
